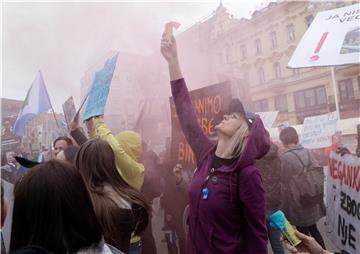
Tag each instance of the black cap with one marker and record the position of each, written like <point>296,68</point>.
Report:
<point>237,106</point>
<point>25,162</point>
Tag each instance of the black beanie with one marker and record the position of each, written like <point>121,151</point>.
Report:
<point>236,106</point>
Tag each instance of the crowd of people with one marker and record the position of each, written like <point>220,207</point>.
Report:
<point>96,195</point>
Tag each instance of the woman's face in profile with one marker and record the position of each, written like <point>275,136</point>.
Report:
<point>230,124</point>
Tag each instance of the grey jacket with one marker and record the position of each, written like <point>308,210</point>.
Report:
<point>291,167</point>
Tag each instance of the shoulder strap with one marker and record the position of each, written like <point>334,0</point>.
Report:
<point>297,156</point>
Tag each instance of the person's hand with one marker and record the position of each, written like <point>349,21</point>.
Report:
<point>308,245</point>
<point>177,173</point>
<point>168,49</point>
<point>90,125</point>
<point>75,122</point>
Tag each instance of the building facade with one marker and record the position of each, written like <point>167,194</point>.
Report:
<point>256,51</point>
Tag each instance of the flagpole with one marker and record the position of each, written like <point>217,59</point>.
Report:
<point>52,108</point>
<point>57,123</point>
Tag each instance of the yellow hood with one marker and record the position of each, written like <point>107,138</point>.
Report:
<point>130,141</point>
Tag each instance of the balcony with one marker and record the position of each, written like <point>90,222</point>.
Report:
<point>311,111</point>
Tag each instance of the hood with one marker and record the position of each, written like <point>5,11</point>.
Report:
<point>130,141</point>
<point>272,153</point>
<point>258,144</point>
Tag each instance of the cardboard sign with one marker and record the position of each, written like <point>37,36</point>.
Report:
<point>343,202</point>
<point>99,90</point>
<point>210,103</point>
<point>268,118</point>
<point>333,38</point>
<point>69,110</point>
<point>317,130</point>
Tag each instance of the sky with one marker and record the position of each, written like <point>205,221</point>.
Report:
<point>63,39</point>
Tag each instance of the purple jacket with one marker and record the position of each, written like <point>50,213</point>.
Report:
<point>232,219</point>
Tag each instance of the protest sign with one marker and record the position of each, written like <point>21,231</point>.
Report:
<point>9,141</point>
<point>317,130</point>
<point>343,202</point>
<point>69,110</point>
<point>268,118</point>
<point>333,38</point>
<point>99,90</point>
<point>210,104</point>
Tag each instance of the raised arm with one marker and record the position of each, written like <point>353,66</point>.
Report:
<point>75,131</point>
<point>128,168</point>
<point>190,126</point>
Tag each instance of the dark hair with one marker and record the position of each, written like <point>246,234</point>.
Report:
<point>53,210</point>
<point>96,163</point>
<point>2,192</point>
<point>66,139</point>
<point>70,153</point>
<point>289,136</point>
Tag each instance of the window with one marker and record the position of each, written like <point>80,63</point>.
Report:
<point>309,19</point>
<point>281,103</point>
<point>346,89</point>
<point>310,97</point>
<point>291,32</point>
<point>340,4</point>
<point>273,40</point>
<point>243,52</point>
<point>320,95</point>
<point>258,46</point>
<point>261,75</point>
<point>277,70</point>
<point>261,105</point>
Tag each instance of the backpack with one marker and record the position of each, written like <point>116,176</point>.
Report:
<point>309,183</point>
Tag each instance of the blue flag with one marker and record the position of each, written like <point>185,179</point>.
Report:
<point>99,90</point>
<point>37,101</point>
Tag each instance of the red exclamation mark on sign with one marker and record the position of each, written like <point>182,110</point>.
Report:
<point>318,47</point>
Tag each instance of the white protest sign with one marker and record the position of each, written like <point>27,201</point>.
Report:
<point>317,130</point>
<point>268,118</point>
<point>343,202</point>
<point>333,38</point>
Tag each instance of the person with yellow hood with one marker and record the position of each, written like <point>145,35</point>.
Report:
<point>126,146</point>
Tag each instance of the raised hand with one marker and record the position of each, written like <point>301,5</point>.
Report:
<point>168,48</point>
<point>90,125</point>
<point>75,122</point>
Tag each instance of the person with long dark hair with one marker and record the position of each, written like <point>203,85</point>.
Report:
<point>226,197</point>
<point>53,211</point>
<point>120,208</point>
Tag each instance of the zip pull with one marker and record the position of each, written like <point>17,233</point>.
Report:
<point>205,193</point>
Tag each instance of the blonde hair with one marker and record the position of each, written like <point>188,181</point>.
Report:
<point>238,141</point>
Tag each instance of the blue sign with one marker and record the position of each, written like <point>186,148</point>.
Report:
<point>99,90</point>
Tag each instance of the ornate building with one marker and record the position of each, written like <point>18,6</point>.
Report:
<point>255,52</point>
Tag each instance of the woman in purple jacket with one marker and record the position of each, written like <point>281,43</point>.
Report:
<point>226,196</point>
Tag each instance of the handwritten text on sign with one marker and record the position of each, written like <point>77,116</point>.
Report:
<point>317,130</point>
<point>100,90</point>
<point>210,103</point>
<point>343,202</point>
